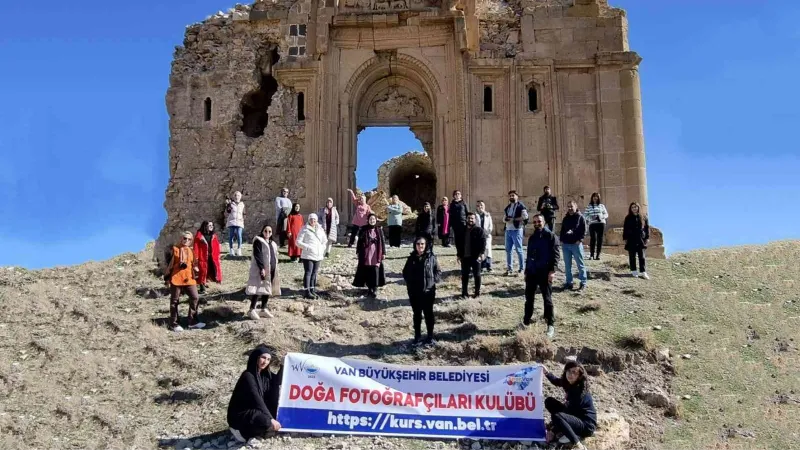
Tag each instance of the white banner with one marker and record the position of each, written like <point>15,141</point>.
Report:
<point>352,396</point>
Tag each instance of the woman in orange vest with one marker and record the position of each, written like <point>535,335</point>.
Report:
<point>180,279</point>
<point>294,223</point>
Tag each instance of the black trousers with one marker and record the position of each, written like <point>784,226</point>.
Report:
<point>395,233</point>
<point>254,423</point>
<point>372,274</point>
<point>458,235</point>
<point>533,281</point>
<point>445,240</point>
<point>551,223</point>
<point>310,269</point>
<point>632,254</point>
<point>353,233</point>
<point>570,426</point>
<point>254,301</point>
<point>470,264</point>
<point>422,304</point>
<point>596,231</point>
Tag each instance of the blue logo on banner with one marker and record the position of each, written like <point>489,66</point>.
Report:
<point>308,366</point>
<point>522,379</point>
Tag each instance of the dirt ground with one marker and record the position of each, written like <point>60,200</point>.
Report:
<point>704,355</point>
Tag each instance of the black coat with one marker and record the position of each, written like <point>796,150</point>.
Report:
<point>579,403</point>
<point>254,392</point>
<point>477,238</point>
<point>458,214</point>
<point>426,224</point>
<point>421,272</point>
<point>577,224</point>
<point>543,252</point>
<point>635,231</point>
<point>548,205</point>
<point>440,222</point>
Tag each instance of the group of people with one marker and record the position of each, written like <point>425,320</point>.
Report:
<point>195,261</point>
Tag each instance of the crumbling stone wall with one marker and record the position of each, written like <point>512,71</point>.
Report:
<point>411,176</point>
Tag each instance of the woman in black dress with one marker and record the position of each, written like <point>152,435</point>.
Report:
<point>254,402</point>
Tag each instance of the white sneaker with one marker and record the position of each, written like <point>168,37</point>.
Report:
<point>266,313</point>
<point>635,274</point>
<point>563,440</point>
<point>239,251</point>
<point>232,252</point>
<point>253,314</point>
<point>580,446</point>
<point>197,326</point>
<point>644,275</point>
<point>551,331</point>
<point>177,328</point>
<point>238,436</point>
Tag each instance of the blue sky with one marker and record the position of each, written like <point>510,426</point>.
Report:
<point>83,126</point>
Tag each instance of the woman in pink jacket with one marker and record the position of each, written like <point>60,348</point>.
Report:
<point>360,215</point>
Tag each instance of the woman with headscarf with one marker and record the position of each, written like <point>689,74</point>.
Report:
<point>370,250</point>
<point>312,242</point>
<point>263,281</point>
<point>254,402</point>
<point>329,218</point>
<point>426,226</point>
<point>443,222</point>
<point>206,250</point>
<point>294,223</point>
<point>180,279</point>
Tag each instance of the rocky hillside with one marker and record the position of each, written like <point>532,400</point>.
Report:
<point>704,355</point>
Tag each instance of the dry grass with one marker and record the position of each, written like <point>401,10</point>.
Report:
<point>637,340</point>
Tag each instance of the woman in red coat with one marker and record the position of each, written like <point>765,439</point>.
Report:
<point>206,250</point>
<point>294,223</point>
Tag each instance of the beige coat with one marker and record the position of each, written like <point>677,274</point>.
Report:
<point>271,285</point>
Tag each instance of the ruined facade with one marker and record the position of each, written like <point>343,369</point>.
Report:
<point>502,95</point>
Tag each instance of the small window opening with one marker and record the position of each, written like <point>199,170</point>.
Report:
<point>207,109</point>
<point>293,51</point>
<point>533,99</point>
<point>487,99</point>
<point>292,30</point>
<point>301,106</point>
<point>255,105</point>
<point>301,30</point>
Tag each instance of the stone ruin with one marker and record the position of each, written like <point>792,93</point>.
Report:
<point>412,177</point>
<point>502,95</point>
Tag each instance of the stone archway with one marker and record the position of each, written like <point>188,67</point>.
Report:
<point>412,177</point>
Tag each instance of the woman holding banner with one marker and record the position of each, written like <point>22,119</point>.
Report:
<point>421,273</point>
<point>577,419</point>
<point>254,402</point>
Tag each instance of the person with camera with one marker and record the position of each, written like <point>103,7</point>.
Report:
<point>263,280</point>
<point>180,278</point>
<point>283,205</point>
<point>234,213</point>
<point>547,206</point>
<point>516,217</point>
<point>596,215</point>
<point>540,269</point>
<point>636,234</point>
<point>573,231</point>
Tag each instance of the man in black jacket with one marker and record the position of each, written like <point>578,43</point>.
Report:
<point>573,230</point>
<point>540,268</point>
<point>458,220</point>
<point>474,248</point>
<point>547,206</point>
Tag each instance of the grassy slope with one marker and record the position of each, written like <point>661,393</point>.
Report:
<point>86,361</point>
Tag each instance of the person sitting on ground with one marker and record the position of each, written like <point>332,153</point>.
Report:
<point>263,281</point>
<point>254,402</point>
<point>312,242</point>
<point>443,222</point>
<point>395,221</point>
<point>577,419</point>
<point>207,251</point>
<point>294,223</point>
<point>234,213</point>
<point>426,225</point>
<point>371,251</point>
<point>636,234</point>
<point>180,279</point>
<point>360,214</point>
<point>329,218</point>
<point>421,273</point>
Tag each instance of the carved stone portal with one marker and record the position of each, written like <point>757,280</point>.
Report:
<point>393,104</point>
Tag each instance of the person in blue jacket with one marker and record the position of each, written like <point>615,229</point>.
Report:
<point>575,419</point>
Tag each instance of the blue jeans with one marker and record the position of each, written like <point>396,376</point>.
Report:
<point>234,232</point>
<point>573,251</point>
<point>513,242</point>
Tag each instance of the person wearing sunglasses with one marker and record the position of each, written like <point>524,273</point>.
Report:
<point>421,273</point>
<point>180,278</point>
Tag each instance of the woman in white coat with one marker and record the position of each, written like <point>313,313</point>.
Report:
<point>329,220</point>
<point>485,221</point>
<point>312,241</point>
<point>263,281</point>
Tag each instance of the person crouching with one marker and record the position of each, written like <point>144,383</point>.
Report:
<point>180,278</point>
<point>254,402</point>
<point>577,418</point>
<point>263,281</point>
<point>421,274</point>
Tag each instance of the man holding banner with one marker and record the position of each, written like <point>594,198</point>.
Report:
<point>350,396</point>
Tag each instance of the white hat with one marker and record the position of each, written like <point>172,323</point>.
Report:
<point>312,216</point>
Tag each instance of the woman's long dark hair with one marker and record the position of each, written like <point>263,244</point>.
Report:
<point>295,209</point>
<point>630,210</point>
<point>582,385</point>
<point>591,199</point>
<point>261,234</point>
<point>204,227</point>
